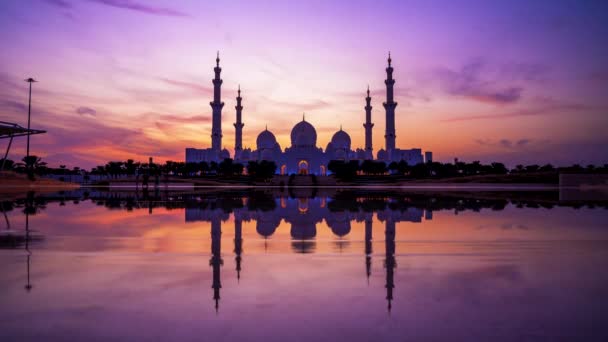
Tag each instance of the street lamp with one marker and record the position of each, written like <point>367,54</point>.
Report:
<point>29,112</point>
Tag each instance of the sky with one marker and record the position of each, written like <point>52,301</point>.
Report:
<point>512,81</point>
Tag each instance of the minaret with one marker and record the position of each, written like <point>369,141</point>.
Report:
<point>216,258</point>
<point>368,124</point>
<point>216,106</point>
<point>389,262</point>
<point>389,106</point>
<point>238,126</point>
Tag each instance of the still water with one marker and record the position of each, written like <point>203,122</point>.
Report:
<point>305,265</point>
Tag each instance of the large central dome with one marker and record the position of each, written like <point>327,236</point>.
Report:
<point>303,134</point>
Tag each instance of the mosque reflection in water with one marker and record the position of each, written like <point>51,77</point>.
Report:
<point>268,209</point>
<point>303,214</point>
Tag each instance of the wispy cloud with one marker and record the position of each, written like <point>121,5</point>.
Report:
<point>13,106</point>
<point>545,110</point>
<point>185,119</point>
<point>508,95</point>
<point>469,82</point>
<point>379,94</point>
<point>509,143</point>
<point>86,111</point>
<point>302,106</point>
<point>59,3</point>
<point>141,7</point>
<point>600,76</point>
<point>197,88</point>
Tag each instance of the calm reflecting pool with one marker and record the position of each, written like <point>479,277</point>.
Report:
<point>304,265</point>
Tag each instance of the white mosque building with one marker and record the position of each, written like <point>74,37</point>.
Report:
<point>304,156</point>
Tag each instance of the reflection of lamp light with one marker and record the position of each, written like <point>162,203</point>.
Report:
<point>323,202</point>
<point>303,167</point>
<point>283,203</point>
<point>303,205</point>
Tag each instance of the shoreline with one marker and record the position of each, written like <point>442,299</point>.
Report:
<point>5,188</point>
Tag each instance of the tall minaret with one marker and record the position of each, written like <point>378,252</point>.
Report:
<point>389,106</point>
<point>238,126</point>
<point>216,106</point>
<point>368,124</point>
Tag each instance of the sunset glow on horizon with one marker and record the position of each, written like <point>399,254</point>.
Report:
<point>511,81</point>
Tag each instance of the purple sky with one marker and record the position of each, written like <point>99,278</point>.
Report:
<point>513,81</point>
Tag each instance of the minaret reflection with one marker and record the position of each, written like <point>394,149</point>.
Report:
<point>368,246</point>
<point>389,262</point>
<point>216,259</point>
<point>238,244</point>
<point>28,286</point>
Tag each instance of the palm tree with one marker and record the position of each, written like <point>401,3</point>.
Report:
<point>114,168</point>
<point>130,167</point>
<point>32,163</point>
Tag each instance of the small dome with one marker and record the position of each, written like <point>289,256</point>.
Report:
<point>341,140</point>
<point>267,225</point>
<point>339,224</point>
<point>266,140</point>
<point>303,134</point>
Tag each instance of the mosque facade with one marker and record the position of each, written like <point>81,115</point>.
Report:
<point>304,156</point>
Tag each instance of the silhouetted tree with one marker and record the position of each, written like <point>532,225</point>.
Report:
<point>130,167</point>
<point>532,168</point>
<point>499,168</point>
<point>393,167</point>
<point>225,167</point>
<point>32,164</point>
<point>191,168</point>
<point>343,170</point>
<point>213,167</point>
<point>8,164</point>
<point>203,167</point>
<point>547,167</point>
<point>370,167</point>
<point>261,170</point>
<point>237,169</point>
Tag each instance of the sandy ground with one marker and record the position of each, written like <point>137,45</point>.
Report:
<point>12,184</point>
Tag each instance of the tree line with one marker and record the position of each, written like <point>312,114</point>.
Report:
<point>266,169</point>
<point>354,168</point>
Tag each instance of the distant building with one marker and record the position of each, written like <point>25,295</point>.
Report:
<point>428,157</point>
<point>303,156</point>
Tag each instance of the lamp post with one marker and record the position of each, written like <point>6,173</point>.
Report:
<point>29,112</point>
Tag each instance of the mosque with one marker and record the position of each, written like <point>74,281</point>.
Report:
<point>304,156</point>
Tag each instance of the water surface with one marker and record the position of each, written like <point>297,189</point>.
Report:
<point>322,265</point>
